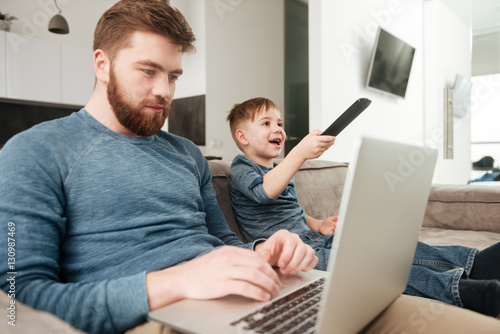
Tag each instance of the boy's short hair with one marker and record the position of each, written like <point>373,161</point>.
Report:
<point>125,17</point>
<point>247,110</point>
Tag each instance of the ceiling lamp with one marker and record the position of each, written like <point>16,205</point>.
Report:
<point>58,24</point>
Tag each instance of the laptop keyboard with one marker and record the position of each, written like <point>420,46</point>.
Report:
<point>293,313</point>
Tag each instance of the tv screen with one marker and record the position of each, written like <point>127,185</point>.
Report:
<point>187,118</point>
<point>390,64</point>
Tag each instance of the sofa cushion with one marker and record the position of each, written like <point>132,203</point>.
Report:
<point>319,186</point>
<point>448,237</point>
<point>458,207</point>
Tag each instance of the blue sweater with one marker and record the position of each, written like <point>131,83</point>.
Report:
<point>259,215</point>
<point>94,211</point>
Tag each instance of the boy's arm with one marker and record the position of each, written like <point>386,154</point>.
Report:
<point>313,223</point>
<point>311,147</point>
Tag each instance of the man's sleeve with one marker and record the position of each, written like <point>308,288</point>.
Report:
<point>215,220</point>
<point>34,226</point>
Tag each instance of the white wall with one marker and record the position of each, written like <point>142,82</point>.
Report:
<point>448,53</point>
<point>486,54</point>
<point>193,79</point>
<point>245,59</point>
<point>341,42</point>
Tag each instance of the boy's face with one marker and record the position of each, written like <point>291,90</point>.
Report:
<point>265,136</point>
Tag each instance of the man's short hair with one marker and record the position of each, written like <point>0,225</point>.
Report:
<point>117,24</point>
<point>247,110</point>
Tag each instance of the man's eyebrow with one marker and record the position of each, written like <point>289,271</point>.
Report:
<point>150,63</point>
<point>157,66</point>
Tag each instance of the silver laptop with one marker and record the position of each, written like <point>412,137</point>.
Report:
<point>380,216</point>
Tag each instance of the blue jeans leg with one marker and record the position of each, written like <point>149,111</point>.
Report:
<point>437,270</point>
<point>321,245</point>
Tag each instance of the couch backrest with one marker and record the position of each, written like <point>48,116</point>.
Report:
<point>472,206</point>
<point>319,185</point>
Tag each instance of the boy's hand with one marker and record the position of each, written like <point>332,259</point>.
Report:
<point>314,145</point>
<point>288,252</point>
<point>311,147</point>
<point>328,225</point>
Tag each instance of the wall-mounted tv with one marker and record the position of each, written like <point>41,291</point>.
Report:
<point>390,65</point>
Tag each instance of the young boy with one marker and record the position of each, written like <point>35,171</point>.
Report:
<point>264,201</point>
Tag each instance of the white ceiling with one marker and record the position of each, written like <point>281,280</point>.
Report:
<point>485,16</point>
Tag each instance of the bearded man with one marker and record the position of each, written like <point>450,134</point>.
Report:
<point>115,217</point>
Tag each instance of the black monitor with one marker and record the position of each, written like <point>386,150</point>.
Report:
<point>390,65</point>
<point>18,116</point>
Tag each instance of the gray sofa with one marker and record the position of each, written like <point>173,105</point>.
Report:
<point>467,215</point>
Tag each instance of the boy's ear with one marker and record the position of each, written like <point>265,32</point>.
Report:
<point>240,136</point>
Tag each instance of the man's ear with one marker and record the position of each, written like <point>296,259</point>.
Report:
<point>101,66</point>
<point>240,136</point>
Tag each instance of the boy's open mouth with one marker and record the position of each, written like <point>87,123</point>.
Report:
<point>276,142</point>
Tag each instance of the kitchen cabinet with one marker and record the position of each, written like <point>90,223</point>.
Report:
<point>33,69</point>
<point>44,71</point>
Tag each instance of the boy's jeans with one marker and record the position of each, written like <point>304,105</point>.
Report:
<point>437,270</point>
<point>435,273</point>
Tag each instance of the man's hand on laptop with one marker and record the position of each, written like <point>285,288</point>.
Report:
<point>224,271</point>
<point>286,251</point>
<point>232,270</point>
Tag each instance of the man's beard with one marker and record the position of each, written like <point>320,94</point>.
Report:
<point>131,116</point>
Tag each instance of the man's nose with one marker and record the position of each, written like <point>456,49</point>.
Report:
<point>162,88</point>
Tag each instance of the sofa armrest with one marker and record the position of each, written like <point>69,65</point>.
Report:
<point>464,207</point>
<point>222,186</point>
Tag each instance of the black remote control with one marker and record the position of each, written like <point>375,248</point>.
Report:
<point>347,117</point>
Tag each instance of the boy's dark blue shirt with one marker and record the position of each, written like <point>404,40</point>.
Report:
<point>258,214</point>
